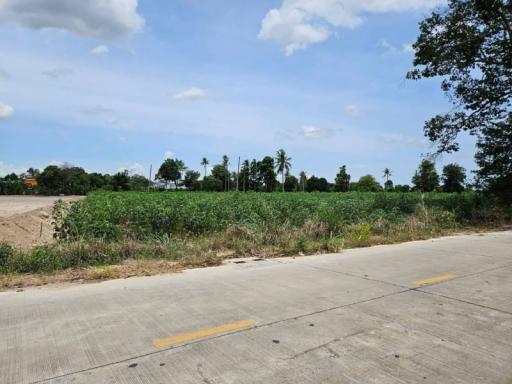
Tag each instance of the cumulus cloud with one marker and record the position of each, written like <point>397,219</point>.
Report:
<point>168,155</point>
<point>103,19</point>
<point>6,111</point>
<point>300,23</point>
<point>57,73</point>
<point>190,94</point>
<point>100,50</point>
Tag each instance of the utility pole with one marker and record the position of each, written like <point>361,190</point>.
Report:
<point>238,173</point>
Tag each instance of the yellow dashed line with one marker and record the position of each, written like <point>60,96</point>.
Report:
<point>184,337</point>
<point>435,279</point>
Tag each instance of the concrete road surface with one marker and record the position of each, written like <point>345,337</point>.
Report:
<point>437,311</point>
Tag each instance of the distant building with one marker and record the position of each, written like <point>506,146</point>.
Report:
<point>30,182</point>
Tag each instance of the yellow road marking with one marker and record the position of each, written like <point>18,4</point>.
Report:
<point>435,279</point>
<point>184,337</point>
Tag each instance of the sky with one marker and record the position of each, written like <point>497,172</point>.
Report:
<point>122,84</point>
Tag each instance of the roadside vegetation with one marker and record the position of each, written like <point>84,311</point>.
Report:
<point>201,229</point>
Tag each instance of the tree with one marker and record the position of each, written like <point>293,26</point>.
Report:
<point>426,179</point>
<point>495,161</point>
<point>171,170</point>
<point>204,163</point>
<point>244,176</point>
<point>291,183</point>
<point>138,183</point>
<point>50,180</point>
<point>454,177</point>
<point>121,181</point>
<point>283,164</point>
<point>402,188</point>
<point>342,180</point>
<point>303,179</point>
<point>33,172</point>
<point>266,173</point>
<point>368,183</point>
<point>317,184</point>
<point>191,180</point>
<point>225,164</point>
<point>469,44</point>
<point>220,172</point>
<point>213,184</point>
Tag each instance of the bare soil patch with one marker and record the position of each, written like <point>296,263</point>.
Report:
<point>26,221</point>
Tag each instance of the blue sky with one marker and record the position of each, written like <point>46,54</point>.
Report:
<point>127,83</point>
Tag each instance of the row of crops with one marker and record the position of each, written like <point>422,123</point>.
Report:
<point>139,215</point>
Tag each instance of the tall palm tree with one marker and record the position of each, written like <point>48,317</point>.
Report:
<point>302,179</point>
<point>225,164</point>
<point>283,164</point>
<point>204,163</point>
<point>387,173</point>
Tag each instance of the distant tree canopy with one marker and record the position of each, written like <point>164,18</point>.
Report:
<point>366,183</point>
<point>171,170</point>
<point>255,175</point>
<point>317,184</point>
<point>426,179</point>
<point>342,180</point>
<point>454,178</point>
<point>469,44</point>
<point>291,184</point>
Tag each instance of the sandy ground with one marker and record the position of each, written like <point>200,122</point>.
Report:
<point>26,221</point>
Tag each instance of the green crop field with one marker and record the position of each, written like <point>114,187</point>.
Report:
<point>141,216</point>
<point>198,229</point>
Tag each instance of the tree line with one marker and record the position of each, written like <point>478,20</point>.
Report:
<point>270,174</point>
<point>69,180</point>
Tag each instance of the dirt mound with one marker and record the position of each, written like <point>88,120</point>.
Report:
<point>25,230</point>
<point>26,221</point>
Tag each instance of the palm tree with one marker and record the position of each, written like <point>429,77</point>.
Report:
<point>204,163</point>
<point>302,179</point>
<point>387,173</point>
<point>225,164</point>
<point>283,164</point>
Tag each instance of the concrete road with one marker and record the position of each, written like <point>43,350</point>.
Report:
<point>437,311</point>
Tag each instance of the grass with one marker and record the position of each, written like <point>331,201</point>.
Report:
<point>104,234</point>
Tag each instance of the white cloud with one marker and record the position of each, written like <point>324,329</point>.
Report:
<point>6,111</point>
<point>386,46</point>
<point>190,94</point>
<point>352,109</point>
<point>168,155</point>
<point>6,169</point>
<point>310,132</point>
<point>300,23</point>
<point>103,19</point>
<point>136,169</point>
<point>408,48</point>
<point>100,50</point>
<point>57,73</point>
